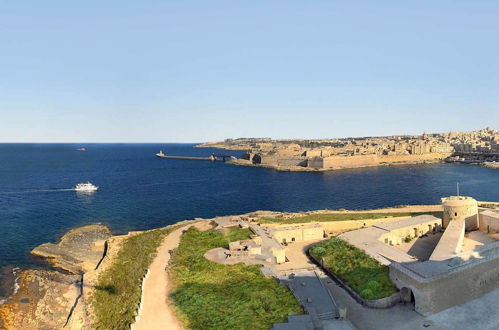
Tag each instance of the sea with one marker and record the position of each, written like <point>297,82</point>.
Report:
<point>140,191</point>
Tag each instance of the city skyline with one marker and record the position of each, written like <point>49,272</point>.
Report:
<point>178,72</point>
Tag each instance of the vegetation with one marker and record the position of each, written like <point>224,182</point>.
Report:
<point>343,217</point>
<point>361,272</point>
<point>408,239</point>
<point>208,295</point>
<point>118,291</point>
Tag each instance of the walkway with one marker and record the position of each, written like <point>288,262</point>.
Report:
<point>156,313</point>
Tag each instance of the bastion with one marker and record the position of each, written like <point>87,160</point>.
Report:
<point>463,262</point>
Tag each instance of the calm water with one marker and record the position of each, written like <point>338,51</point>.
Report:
<point>140,191</point>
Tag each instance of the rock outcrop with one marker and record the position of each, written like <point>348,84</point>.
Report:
<point>78,251</point>
<point>49,299</point>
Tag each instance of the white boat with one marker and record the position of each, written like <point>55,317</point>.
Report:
<point>85,187</point>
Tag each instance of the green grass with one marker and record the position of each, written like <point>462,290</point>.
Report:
<point>117,294</point>
<point>343,217</point>
<point>360,271</point>
<point>208,295</point>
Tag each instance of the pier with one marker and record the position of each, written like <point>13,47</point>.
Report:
<point>211,158</point>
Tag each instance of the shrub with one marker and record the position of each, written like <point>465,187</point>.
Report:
<point>360,271</point>
<point>208,295</point>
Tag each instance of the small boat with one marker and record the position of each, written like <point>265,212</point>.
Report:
<point>86,187</point>
<point>81,149</point>
<point>160,154</point>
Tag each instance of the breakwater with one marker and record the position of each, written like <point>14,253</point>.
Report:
<point>211,158</point>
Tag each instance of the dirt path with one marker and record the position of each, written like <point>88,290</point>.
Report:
<point>156,313</point>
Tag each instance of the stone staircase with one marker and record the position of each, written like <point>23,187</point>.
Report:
<point>327,316</point>
<point>295,322</point>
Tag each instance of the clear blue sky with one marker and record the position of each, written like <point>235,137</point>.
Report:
<point>160,71</point>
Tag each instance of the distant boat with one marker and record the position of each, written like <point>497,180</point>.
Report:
<point>81,149</point>
<point>160,154</point>
<point>86,187</point>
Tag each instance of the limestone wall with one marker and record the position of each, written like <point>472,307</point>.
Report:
<point>466,281</point>
<point>299,234</point>
<point>461,208</point>
<point>489,222</point>
<point>338,227</point>
<point>291,161</point>
<point>398,236</point>
<point>339,162</point>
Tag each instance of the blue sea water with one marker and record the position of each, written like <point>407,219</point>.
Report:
<point>140,191</point>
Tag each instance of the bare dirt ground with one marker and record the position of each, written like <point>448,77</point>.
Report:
<point>156,312</point>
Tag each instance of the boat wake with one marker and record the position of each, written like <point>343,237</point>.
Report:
<point>30,191</point>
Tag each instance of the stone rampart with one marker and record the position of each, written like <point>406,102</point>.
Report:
<point>439,285</point>
<point>341,162</point>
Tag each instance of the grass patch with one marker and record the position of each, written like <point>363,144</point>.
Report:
<point>208,295</point>
<point>117,293</point>
<point>343,217</point>
<point>360,271</point>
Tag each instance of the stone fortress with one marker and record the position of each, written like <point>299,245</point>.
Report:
<point>437,263</point>
<point>330,154</point>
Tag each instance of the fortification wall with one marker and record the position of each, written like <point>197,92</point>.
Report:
<point>339,162</point>
<point>470,281</point>
<point>461,208</point>
<point>489,222</point>
<point>398,236</point>
<point>338,227</point>
<point>291,161</point>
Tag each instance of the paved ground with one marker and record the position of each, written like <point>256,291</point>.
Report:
<point>308,289</point>
<point>476,239</point>
<point>156,313</point>
<point>422,247</point>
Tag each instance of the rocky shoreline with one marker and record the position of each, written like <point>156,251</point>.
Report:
<point>48,299</point>
<point>493,165</point>
<point>59,298</point>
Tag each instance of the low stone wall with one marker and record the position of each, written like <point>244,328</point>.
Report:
<point>386,302</point>
<point>141,305</point>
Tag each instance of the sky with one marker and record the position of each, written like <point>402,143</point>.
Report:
<point>193,71</point>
